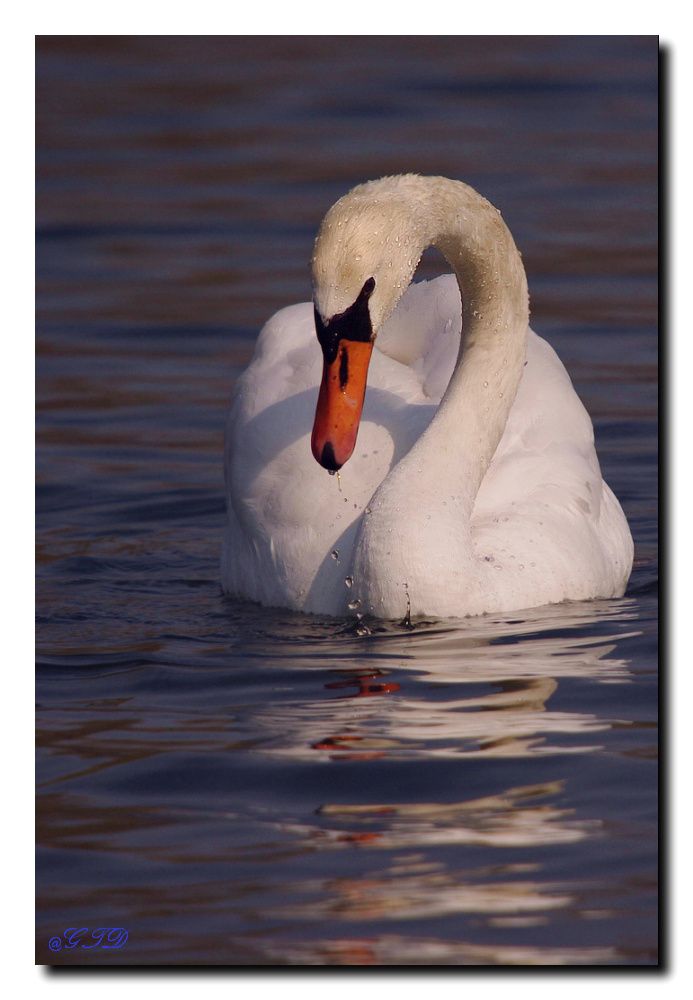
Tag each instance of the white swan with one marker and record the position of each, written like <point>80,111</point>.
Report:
<point>487,499</point>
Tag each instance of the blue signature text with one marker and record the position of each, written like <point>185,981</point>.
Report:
<point>82,937</point>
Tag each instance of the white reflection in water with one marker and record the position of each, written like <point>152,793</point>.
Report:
<point>414,883</point>
<point>501,675</point>
<point>421,897</point>
<point>512,819</point>
<point>395,949</point>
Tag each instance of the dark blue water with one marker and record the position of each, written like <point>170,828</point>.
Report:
<point>238,785</point>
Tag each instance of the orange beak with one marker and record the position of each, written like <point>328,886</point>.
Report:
<point>340,402</point>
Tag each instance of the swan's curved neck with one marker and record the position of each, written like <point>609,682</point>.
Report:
<point>460,442</point>
<point>419,525</point>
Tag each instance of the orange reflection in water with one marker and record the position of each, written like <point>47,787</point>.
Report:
<point>366,685</point>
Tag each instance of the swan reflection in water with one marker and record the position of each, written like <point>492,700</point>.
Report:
<point>493,680</point>
<point>501,674</point>
<point>438,806</point>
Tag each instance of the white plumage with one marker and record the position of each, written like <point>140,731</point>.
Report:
<point>499,505</point>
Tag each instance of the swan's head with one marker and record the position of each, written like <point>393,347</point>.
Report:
<point>365,255</point>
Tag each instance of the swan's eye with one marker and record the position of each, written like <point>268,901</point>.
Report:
<point>352,324</point>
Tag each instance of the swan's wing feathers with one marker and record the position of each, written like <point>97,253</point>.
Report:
<point>286,353</point>
<point>543,506</point>
<point>271,398</point>
<point>548,444</point>
<point>423,333</point>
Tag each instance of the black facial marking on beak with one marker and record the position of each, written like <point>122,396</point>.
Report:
<point>343,368</point>
<point>352,324</point>
<point>328,460</point>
